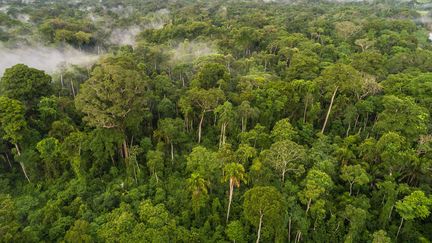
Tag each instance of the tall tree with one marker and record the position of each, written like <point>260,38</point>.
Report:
<point>13,124</point>
<point>263,204</point>
<point>114,96</point>
<point>25,84</point>
<point>197,185</point>
<point>316,184</point>
<point>286,156</point>
<point>235,174</point>
<point>171,131</point>
<point>340,78</point>
<point>354,174</point>
<point>205,101</point>
<point>226,116</point>
<point>402,115</point>
<point>415,205</point>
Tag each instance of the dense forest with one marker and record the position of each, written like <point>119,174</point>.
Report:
<point>215,121</point>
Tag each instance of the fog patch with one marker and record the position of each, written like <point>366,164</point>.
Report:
<point>127,36</point>
<point>124,12</point>
<point>124,36</point>
<point>187,52</point>
<point>157,20</point>
<point>4,9</point>
<point>44,58</point>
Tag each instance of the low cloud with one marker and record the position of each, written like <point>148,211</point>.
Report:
<point>127,36</point>
<point>124,36</point>
<point>187,52</point>
<point>44,58</point>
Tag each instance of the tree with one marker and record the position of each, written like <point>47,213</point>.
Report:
<point>50,152</point>
<point>246,112</point>
<point>80,232</point>
<point>155,162</point>
<point>235,174</point>
<point>211,75</point>
<point>82,38</point>
<point>285,156</point>
<point>415,205</point>
<point>197,185</point>
<point>204,162</point>
<point>156,225</point>
<point>315,184</point>
<point>235,231</point>
<point>381,237</point>
<point>354,174</point>
<point>404,116</point>
<point>119,224</point>
<point>114,96</point>
<point>9,224</point>
<point>25,84</point>
<point>358,220</point>
<point>346,29</point>
<point>263,204</point>
<point>226,116</point>
<point>304,65</point>
<point>13,124</point>
<point>205,101</point>
<point>338,78</point>
<point>170,130</point>
<point>364,43</point>
<point>283,130</point>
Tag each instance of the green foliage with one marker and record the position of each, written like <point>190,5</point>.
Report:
<point>114,96</point>
<point>216,121</point>
<point>404,116</point>
<point>12,119</point>
<point>9,225</point>
<point>264,204</point>
<point>25,84</point>
<point>415,205</point>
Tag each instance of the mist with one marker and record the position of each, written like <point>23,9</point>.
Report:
<point>44,58</point>
<point>187,52</point>
<point>127,36</point>
<point>124,36</point>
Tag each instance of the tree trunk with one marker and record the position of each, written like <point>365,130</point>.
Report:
<point>172,151</point>
<point>243,124</point>
<point>329,110</point>
<point>348,130</point>
<point>200,127</point>
<point>365,122</point>
<point>391,211</point>
<point>222,139</point>
<point>231,190</point>
<point>400,226</point>
<point>289,229</point>
<point>21,163</point>
<point>351,185</point>
<point>224,135</point>
<point>72,88</point>
<point>308,205</point>
<point>61,80</point>
<point>305,109</point>
<point>259,228</point>
<point>221,136</point>
<point>356,122</point>
<point>8,160</point>
<point>125,149</point>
